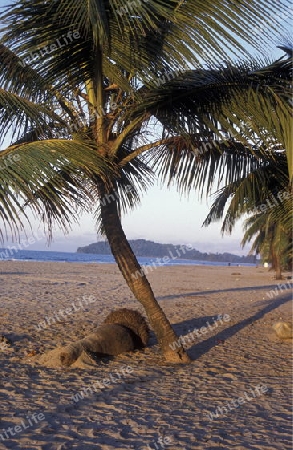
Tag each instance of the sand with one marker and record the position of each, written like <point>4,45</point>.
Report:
<point>235,394</point>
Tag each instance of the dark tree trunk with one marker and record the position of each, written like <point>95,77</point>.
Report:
<point>139,285</point>
<point>278,269</point>
<point>276,265</point>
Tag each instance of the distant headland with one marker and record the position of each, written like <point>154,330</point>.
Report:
<point>143,247</point>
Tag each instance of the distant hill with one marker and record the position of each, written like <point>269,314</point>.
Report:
<point>142,247</point>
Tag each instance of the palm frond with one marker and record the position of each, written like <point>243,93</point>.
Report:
<point>21,79</point>
<point>225,96</point>
<point>232,107</point>
<point>250,191</point>
<point>144,37</point>
<point>272,239</point>
<point>19,115</point>
<point>194,164</point>
<point>49,177</point>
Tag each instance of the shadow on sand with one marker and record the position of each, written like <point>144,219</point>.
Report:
<point>14,273</point>
<point>200,293</point>
<point>203,347</point>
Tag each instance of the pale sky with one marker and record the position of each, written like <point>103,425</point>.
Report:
<point>162,217</point>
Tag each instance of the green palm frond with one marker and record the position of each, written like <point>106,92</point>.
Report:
<point>222,98</point>
<point>236,107</point>
<point>145,38</point>
<point>194,164</point>
<point>282,213</point>
<point>19,115</point>
<point>21,79</point>
<point>254,226</point>
<point>52,177</point>
<point>250,191</point>
<point>272,239</point>
<point>24,81</point>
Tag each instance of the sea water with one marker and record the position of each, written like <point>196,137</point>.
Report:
<point>66,257</point>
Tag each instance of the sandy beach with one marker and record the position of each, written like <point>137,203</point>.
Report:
<point>236,393</point>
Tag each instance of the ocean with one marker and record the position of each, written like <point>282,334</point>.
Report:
<point>87,258</point>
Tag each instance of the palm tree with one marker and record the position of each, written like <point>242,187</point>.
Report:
<point>272,239</point>
<point>258,183</point>
<point>92,79</point>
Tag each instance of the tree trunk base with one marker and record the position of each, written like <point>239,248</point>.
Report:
<point>179,357</point>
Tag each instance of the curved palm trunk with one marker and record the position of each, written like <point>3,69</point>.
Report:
<point>276,265</point>
<point>139,285</point>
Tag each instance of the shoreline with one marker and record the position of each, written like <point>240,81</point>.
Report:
<point>146,261</point>
<point>15,254</point>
